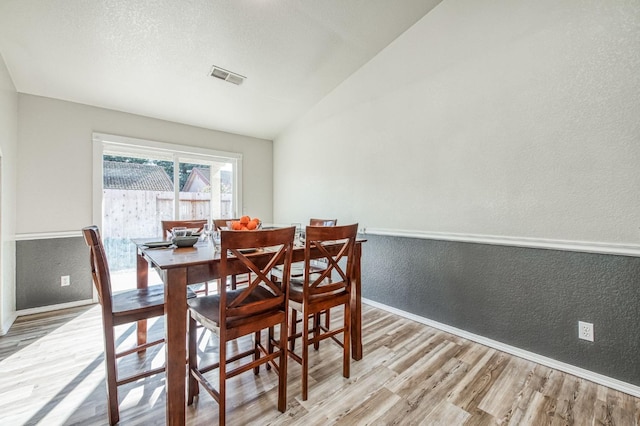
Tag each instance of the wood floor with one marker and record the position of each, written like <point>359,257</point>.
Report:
<point>52,372</point>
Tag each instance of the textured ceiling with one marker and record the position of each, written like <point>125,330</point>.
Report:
<point>153,57</point>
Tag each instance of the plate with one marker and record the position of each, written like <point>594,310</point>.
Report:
<point>157,244</point>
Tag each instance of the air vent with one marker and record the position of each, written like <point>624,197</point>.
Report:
<point>226,75</point>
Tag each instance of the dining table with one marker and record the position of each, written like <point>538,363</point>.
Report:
<point>180,267</point>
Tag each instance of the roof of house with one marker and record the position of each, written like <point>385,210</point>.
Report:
<point>196,174</point>
<point>202,175</point>
<point>141,177</point>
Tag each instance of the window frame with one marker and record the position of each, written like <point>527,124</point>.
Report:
<point>173,152</point>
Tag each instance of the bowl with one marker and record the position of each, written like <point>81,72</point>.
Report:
<point>185,241</point>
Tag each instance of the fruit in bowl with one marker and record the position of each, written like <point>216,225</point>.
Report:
<point>246,224</point>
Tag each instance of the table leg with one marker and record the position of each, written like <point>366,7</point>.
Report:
<point>175,308</point>
<point>142,268</point>
<point>356,306</point>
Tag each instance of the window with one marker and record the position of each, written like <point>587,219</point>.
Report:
<point>138,183</point>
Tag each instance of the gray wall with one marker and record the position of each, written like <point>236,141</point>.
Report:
<point>525,297</point>
<point>41,263</point>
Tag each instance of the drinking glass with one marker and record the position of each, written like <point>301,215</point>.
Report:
<point>296,238</point>
<point>206,231</point>
<point>215,236</point>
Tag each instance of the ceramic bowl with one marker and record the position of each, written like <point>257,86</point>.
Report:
<point>185,241</point>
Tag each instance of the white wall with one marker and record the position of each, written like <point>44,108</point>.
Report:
<point>8,153</point>
<point>493,117</point>
<point>55,160</point>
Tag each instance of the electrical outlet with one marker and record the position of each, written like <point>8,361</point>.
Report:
<point>585,331</point>
<point>65,280</point>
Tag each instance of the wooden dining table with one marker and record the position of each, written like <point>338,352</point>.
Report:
<point>179,267</point>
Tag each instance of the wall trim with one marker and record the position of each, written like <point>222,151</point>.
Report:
<point>541,243</point>
<point>48,235</point>
<point>600,379</point>
<point>5,327</point>
<point>49,308</point>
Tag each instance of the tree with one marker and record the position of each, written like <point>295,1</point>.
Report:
<point>183,170</point>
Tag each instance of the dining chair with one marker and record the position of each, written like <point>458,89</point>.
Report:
<point>316,267</point>
<point>220,224</point>
<point>315,293</point>
<point>323,222</point>
<point>245,311</point>
<point>168,225</point>
<point>121,308</point>
<point>192,224</point>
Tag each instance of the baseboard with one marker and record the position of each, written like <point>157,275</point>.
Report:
<point>5,327</point>
<point>530,356</point>
<point>49,308</point>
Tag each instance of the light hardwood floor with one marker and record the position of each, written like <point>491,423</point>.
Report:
<point>52,372</point>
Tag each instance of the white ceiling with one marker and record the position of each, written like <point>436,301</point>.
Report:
<point>154,57</point>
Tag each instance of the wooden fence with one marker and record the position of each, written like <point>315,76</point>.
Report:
<point>137,214</point>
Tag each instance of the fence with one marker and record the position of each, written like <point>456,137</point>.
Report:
<point>138,214</point>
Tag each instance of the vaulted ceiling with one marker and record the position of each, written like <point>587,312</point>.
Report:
<point>154,57</point>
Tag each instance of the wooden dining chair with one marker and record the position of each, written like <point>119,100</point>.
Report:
<point>297,272</point>
<point>219,224</point>
<point>323,222</point>
<point>244,311</point>
<point>192,224</point>
<point>315,293</point>
<point>121,308</point>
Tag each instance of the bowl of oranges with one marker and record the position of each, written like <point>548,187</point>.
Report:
<point>246,223</point>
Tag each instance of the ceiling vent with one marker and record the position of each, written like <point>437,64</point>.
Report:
<point>226,75</point>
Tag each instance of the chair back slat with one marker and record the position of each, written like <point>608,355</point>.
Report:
<point>273,247</point>
<point>323,222</point>
<point>218,224</point>
<point>168,225</point>
<point>336,276</point>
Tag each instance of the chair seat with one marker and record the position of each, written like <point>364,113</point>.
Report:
<point>128,301</point>
<point>206,309</point>
<point>297,269</point>
<point>296,292</point>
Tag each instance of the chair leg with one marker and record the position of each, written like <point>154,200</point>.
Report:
<point>346,344</point>
<point>141,335</point>
<point>316,330</point>
<point>193,387</point>
<point>111,373</point>
<point>305,356</point>
<point>256,352</point>
<point>282,367</point>
<point>292,333</point>
<point>270,346</point>
<point>222,390</point>
<point>327,318</point>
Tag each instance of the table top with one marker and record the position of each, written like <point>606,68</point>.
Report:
<point>202,252</point>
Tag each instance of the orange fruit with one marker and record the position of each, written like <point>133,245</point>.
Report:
<point>236,226</point>
<point>252,225</point>
<point>244,220</point>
